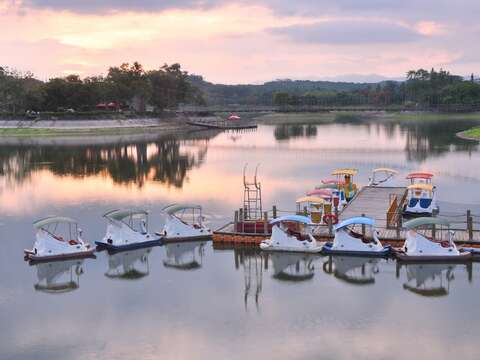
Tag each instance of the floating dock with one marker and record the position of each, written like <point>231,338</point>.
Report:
<point>223,124</point>
<point>384,204</point>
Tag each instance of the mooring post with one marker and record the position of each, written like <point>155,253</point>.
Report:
<point>274,211</point>
<point>434,231</point>
<point>235,221</point>
<point>363,227</point>
<point>399,225</point>
<point>470,225</point>
<point>265,222</point>
<point>242,220</point>
<point>330,227</point>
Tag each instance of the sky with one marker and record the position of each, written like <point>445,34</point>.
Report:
<point>242,41</point>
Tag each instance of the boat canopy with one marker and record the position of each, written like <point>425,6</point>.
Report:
<point>385,170</point>
<point>412,224</point>
<point>428,187</point>
<point>171,209</point>
<point>349,172</point>
<point>310,199</point>
<point>333,182</point>
<point>320,192</point>
<point>293,218</point>
<point>122,214</point>
<point>420,175</point>
<point>53,219</point>
<point>361,220</point>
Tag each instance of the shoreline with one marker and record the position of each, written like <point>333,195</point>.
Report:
<point>463,135</point>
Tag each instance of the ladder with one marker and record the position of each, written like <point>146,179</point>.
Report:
<point>252,197</point>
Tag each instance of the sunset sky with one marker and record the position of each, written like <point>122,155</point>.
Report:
<point>242,41</point>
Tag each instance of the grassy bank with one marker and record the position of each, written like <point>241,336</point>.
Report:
<point>43,132</point>
<point>472,134</point>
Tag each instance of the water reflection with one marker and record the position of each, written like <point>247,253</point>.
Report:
<point>290,131</point>
<point>252,262</point>
<point>159,159</point>
<point>184,255</point>
<point>58,277</point>
<point>431,280</point>
<point>354,270</point>
<point>293,267</point>
<point>129,265</point>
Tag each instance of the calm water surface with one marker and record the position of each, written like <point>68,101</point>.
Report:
<point>194,301</point>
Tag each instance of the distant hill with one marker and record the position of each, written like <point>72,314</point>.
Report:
<point>219,94</point>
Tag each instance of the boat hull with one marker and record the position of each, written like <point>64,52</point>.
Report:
<point>186,238</point>
<point>327,250</point>
<point>138,245</point>
<point>462,257</point>
<point>315,250</point>
<point>30,255</point>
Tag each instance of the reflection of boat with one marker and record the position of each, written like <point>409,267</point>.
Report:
<point>421,200</point>
<point>291,233</point>
<point>58,238</point>
<point>354,270</point>
<point>349,242</point>
<point>128,265</point>
<point>381,175</point>
<point>127,229</point>
<point>59,276</point>
<point>430,280</point>
<point>184,222</point>
<point>292,266</point>
<point>183,255</point>
<point>419,247</point>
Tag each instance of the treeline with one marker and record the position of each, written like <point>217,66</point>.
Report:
<point>421,88</point>
<point>125,86</point>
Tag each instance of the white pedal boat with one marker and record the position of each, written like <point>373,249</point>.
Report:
<point>127,229</point>
<point>421,197</point>
<point>184,222</point>
<point>348,241</point>
<point>58,238</point>
<point>418,247</point>
<point>291,233</point>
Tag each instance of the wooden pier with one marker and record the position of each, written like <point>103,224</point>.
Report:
<point>383,204</point>
<point>221,124</point>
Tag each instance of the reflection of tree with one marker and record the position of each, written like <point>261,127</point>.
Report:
<point>162,160</point>
<point>426,138</point>
<point>289,131</point>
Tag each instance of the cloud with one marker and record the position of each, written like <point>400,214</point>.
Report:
<point>95,6</point>
<point>348,32</point>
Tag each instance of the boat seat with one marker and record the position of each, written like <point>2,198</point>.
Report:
<point>56,237</point>
<point>425,203</point>
<point>73,242</point>
<point>196,226</point>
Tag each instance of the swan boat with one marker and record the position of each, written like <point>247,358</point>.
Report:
<point>419,247</point>
<point>291,233</point>
<point>58,238</point>
<point>347,241</point>
<point>184,222</point>
<point>126,230</point>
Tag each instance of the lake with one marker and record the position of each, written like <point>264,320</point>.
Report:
<point>194,301</point>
